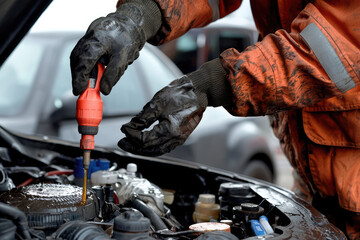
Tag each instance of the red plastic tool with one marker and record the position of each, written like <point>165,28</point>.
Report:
<point>89,109</point>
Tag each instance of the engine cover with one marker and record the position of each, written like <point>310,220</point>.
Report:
<point>50,205</point>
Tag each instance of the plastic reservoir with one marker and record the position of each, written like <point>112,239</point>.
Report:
<point>206,210</point>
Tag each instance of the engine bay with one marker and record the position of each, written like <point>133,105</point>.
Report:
<point>134,197</point>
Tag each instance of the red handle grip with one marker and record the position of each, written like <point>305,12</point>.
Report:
<point>89,108</point>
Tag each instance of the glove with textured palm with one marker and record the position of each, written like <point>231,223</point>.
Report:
<point>115,40</point>
<point>178,108</point>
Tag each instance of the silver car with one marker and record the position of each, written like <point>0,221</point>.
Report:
<point>38,100</point>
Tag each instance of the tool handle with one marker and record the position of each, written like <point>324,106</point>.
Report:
<point>96,75</point>
<point>89,109</point>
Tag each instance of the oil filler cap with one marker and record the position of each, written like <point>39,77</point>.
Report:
<point>246,212</point>
<point>50,205</point>
<point>250,207</point>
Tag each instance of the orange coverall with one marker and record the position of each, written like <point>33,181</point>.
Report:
<point>304,73</point>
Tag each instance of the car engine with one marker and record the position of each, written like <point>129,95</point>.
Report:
<point>133,197</point>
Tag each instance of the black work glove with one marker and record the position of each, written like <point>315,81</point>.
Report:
<point>115,39</point>
<point>178,107</point>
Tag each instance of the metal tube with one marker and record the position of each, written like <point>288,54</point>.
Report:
<point>86,163</point>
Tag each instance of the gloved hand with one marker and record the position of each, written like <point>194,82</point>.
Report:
<point>178,107</point>
<point>117,40</point>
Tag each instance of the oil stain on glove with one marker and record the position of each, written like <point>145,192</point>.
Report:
<point>117,40</point>
<point>177,110</point>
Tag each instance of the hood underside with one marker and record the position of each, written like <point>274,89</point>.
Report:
<point>16,18</point>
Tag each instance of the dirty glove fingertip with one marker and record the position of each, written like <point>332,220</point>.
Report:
<point>125,145</point>
<point>79,86</point>
<point>105,87</point>
<point>110,77</point>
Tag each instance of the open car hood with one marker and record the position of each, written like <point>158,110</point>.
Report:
<point>45,163</point>
<point>16,18</point>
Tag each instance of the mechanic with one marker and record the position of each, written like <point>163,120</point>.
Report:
<point>303,73</point>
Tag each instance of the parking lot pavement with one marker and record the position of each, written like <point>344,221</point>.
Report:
<point>284,178</point>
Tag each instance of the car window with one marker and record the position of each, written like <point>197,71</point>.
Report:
<point>154,71</point>
<point>17,75</point>
<point>225,39</point>
<point>126,96</point>
<point>63,75</point>
<point>183,51</point>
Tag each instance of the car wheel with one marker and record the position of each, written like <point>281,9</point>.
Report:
<point>258,169</point>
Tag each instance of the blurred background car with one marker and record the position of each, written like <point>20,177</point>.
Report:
<point>199,45</point>
<point>38,99</point>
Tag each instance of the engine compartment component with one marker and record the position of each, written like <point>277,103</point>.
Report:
<point>210,227</point>
<point>7,229</point>
<point>17,219</point>
<point>57,209</point>
<point>50,205</point>
<point>80,230</point>
<point>5,182</point>
<point>129,203</point>
<point>206,210</point>
<point>128,186</point>
<point>130,225</point>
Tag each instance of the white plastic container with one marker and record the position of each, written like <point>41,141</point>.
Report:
<point>206,210</point>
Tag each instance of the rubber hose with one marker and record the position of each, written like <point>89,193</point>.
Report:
<point>80,230</point>
<point>149,213</point>
<point>18,217</point>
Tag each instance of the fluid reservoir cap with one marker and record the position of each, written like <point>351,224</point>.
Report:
<point>227,221</point>
<point>131,221</point>
<point>250,207</point>
<point>131,168</point>
<point>247,211</point>
<point>234,189</point>
<point>207,198</point>
<point>210,227</point>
